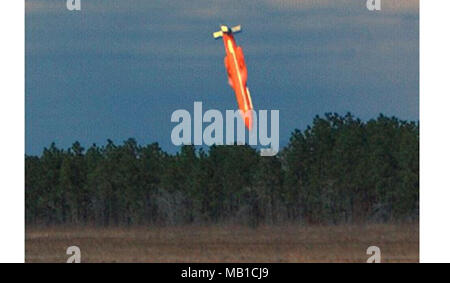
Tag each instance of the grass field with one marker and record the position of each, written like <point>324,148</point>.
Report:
<point>398,243</point>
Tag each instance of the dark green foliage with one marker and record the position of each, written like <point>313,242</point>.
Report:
<point>339,170</point>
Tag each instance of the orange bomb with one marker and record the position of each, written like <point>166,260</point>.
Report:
<point>236,71</point>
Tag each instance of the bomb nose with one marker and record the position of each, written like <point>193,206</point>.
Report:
<point>248,120</point>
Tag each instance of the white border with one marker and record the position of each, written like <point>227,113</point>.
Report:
<point>434,131</point>
<point>12,85</point>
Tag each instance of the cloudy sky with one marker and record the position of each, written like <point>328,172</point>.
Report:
<point>118,69</point>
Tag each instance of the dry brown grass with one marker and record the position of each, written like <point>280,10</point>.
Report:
<point>398,243</point>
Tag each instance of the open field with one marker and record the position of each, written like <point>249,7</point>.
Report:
<point>398,243</point>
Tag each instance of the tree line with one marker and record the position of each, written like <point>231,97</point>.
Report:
<point>338,170</point>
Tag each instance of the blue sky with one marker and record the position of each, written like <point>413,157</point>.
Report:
<point>118,69</point>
